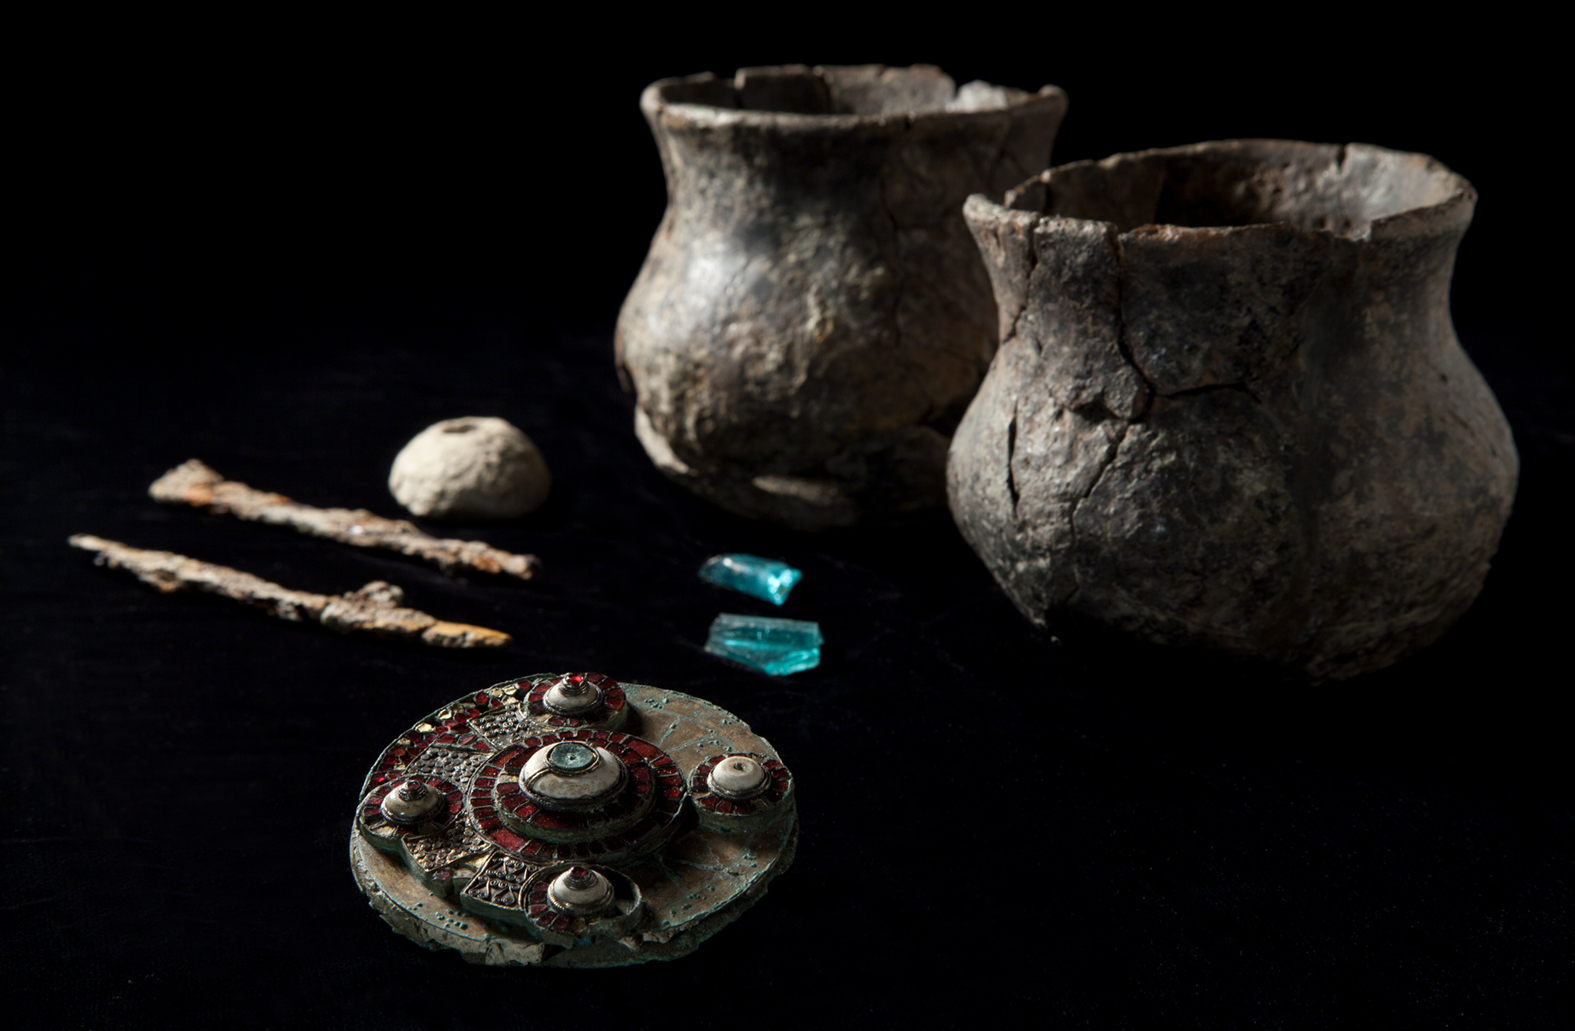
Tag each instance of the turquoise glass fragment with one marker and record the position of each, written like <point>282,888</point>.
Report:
<point>763,578</point>
<point>776,646</point>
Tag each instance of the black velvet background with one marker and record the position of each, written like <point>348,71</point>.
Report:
<point>286,260</point>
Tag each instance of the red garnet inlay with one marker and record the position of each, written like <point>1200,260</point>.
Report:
<point>509,840</point>
<point>551,821</point>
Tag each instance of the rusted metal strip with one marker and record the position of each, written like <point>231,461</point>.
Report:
<point>193,483</point>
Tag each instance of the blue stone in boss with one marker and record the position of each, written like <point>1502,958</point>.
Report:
<point>571,757</point>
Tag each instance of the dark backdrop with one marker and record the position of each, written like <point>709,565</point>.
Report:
<point>285,249</point>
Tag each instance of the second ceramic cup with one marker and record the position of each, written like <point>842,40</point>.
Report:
<point>813,316</point>
<point>1230,410</point>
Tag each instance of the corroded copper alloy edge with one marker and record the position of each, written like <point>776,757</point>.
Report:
<point>445,885</point>
<point>477,942</point>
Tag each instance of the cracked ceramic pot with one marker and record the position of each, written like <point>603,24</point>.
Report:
<point>1229,409</point>
<point>813,317</point>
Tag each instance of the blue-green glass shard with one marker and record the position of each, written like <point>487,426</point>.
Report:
<point>776,646</point>
<point>763,578</point>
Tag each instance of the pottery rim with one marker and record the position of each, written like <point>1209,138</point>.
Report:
<point>1403,189</point>
<point>712,100</point>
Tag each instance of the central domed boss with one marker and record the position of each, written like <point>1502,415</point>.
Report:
<point>525,824</point>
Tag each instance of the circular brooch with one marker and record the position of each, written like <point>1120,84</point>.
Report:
<point>561,819</point>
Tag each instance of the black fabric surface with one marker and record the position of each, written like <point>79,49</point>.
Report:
<point>287,268</point>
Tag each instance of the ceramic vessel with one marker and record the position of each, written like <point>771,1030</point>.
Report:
<point>1229,409</point>
<point>812,317</point>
